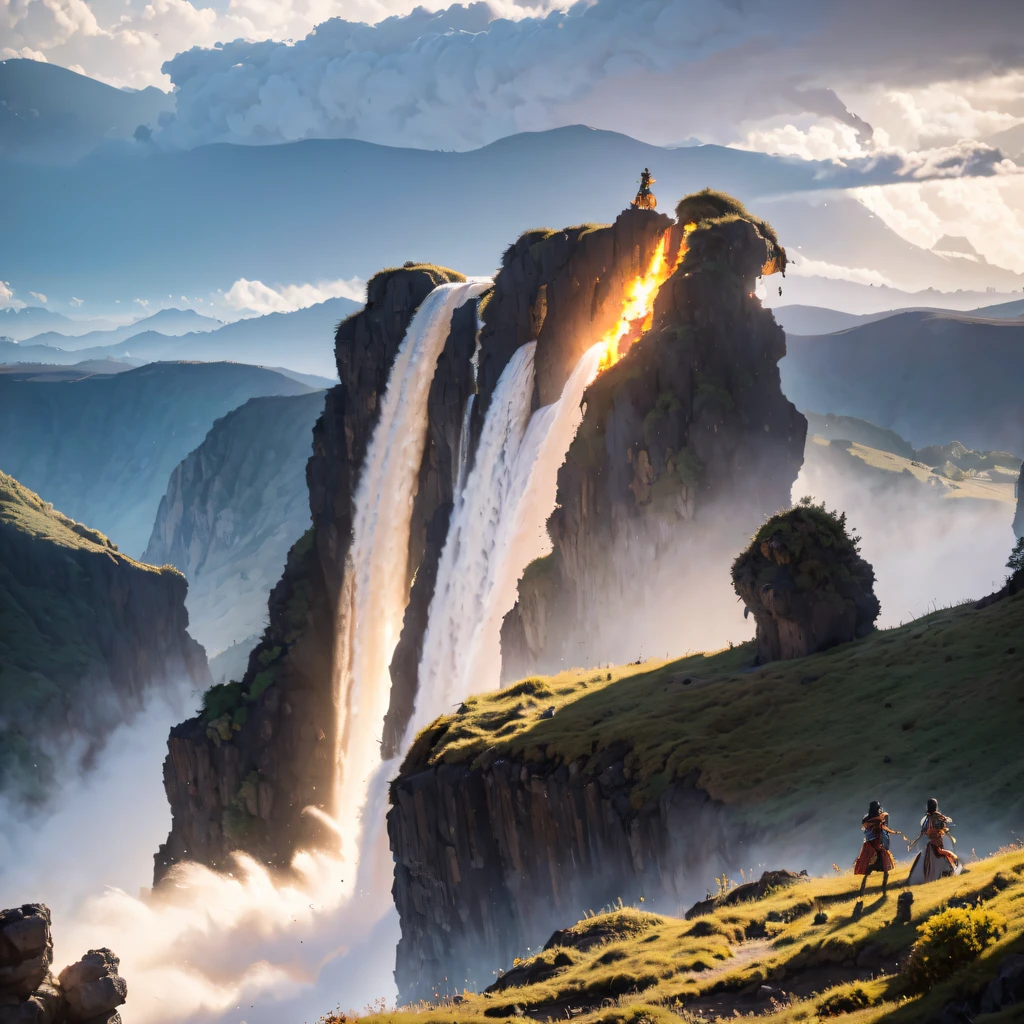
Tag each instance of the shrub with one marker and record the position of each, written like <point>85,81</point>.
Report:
<point>844,1001</point>
<point>948,941</point>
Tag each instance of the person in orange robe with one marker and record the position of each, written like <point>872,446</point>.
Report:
<point>874,854</point>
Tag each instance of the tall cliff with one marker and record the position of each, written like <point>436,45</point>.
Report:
<point>86,633</point>
<point>530,807</point>
<point>239,775</point>
<point>232,510</point>
<point>686,444</point>
<point>103,448</point>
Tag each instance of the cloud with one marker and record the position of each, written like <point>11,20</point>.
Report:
<point>262,298</point>
<point>657,69</point>
<point>75,302</point>
<point>801,267</point>
<point>989,212</point>
<point>40,296</point>
<point>6,295</point>
<point>144,303</point>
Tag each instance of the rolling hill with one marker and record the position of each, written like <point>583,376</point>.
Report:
<point>927,376</point>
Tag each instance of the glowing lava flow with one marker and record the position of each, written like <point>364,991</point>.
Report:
<point>638,305</point>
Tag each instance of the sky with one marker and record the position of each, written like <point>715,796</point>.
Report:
<point>933,88</point>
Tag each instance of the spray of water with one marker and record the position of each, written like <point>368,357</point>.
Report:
<point>380,546</point>
<point>498,528</point>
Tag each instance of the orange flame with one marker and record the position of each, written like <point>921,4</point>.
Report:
<point>638,305</point>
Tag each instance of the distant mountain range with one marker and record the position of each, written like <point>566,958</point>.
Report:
<point>45,327</point>
<point>102,449</point>
<point>51,114</point>
<point>302,341</point>
<point>190,222</point>
<point>798,319</point>
<point>928,376</point>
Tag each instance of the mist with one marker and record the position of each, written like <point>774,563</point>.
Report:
<point>928,552</point>
<point>210,948</point>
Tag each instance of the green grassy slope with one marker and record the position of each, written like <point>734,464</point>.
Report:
<point>61,585</point>
<point>937,703</point>
<point>797,954</point>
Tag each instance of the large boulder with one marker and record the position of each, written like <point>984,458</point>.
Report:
<point>86,992</point>
<point>806,584</point>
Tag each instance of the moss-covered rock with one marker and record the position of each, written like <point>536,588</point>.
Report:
<point>806,584</point>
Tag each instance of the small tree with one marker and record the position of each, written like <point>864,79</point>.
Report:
<point>1015,563</point>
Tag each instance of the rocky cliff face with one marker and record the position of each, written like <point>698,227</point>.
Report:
<point>239,776</point>
<point>686,445</point>
<point>232,510</point>
<point>482,856</point>
<point>1018,519</point>
<point>87,634</point>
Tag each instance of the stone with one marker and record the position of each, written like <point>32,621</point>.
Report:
<point>23,978</point>
<point>92,986</point>
<point>40,1007</point>
<point>807,586</point>
<point>1007,988</point>
<point>24,933</point>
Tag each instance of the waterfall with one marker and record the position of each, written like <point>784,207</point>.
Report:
<point>498,527</point>
<point>376,589</point>
<point>462,462</point>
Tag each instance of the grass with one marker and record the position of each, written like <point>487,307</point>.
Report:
<point>628,966</point>
<point>50,635</point>
<point>871,713</point>
<point>997,483</point>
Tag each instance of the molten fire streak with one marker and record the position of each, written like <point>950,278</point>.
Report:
<point>638,307</point>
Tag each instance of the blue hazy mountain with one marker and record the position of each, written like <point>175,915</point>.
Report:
<point>799,319</point>
<point>301,341</point>
<point>102,449</point>
<point>171,322</point>
<point>48,113</point>
<point>189,222</point>
<point>930,377</point>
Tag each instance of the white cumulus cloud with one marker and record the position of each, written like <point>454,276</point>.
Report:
<point>6,295</point>
<point>39,296</point>
<point>801,267</point>
<point>264,298</point>
<point>75,302</point>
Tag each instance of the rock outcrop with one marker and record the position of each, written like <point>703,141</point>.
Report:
<point>806,584</point>
<point>232,510</point>
<point>483,855</point>
<point>239,776</point>
<point>1018,519</point>
<point>88,991</point>
<point>686,444</point>
<point>87,635</point>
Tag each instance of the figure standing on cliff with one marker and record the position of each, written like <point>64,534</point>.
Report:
<point>645,199</point>
<point>874,854</point>
<point>934,861</point>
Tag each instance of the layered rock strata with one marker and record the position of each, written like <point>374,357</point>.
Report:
<point>492,857</point>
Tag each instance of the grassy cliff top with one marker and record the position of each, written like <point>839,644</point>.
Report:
<point>29,514</point>
<point>775,955</point>
<point>867,714</point>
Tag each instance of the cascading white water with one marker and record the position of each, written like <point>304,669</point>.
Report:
<point>465,438</point>
<point>499,526</point>
<point>378,559</point>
